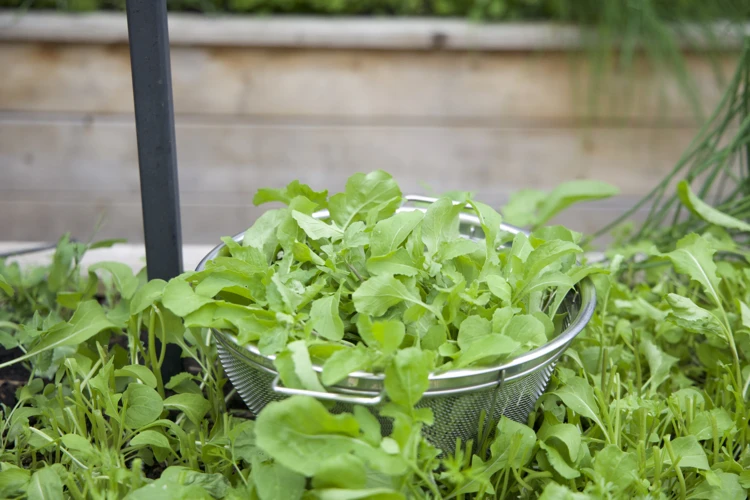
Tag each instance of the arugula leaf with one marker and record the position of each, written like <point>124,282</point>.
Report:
<point>5,287</point>
<point>45,484</point>
<point>288,193</point>
<point>138,371</point>
<point>689,452</point>
<point>397,262</point>
<point>440,224</point>
<point>325,318</point>
<point>150,438</point>
<point>707,212</point>
<point>578,395</point>
<point>125,282</point>
<point>143,405</point>
<point>275,482</point>
<point>88,320</point>
<point>316,229</point>
<point>694,257</point>
<point>342,363</point>
<point>610,459</point>
<point>180,298</point>
<point>388,234</point>
<point>374,192</point>
<point>406,377</point>
<point>686,314</point>
<point>513,444</point>
<point>194,406</point>
<point>378,294</point>
<point>297,431</point>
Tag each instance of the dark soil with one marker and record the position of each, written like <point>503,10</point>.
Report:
<point>12,377</point>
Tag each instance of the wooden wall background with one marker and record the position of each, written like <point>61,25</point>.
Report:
<point>490,121</point>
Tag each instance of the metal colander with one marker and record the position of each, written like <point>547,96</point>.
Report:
<point>457,397</point>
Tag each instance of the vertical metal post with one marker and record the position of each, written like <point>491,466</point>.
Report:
<point>148,36</point>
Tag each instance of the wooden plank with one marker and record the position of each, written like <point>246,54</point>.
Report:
<point>238,158</point>
<point>62,176</point>
<point>367,33</point>
<point>325,86</point>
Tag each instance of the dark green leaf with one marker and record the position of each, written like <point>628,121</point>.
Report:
<point>194,406</point>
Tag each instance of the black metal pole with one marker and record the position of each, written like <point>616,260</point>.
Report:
<point>154,123</point>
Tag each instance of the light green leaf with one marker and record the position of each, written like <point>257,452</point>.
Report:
<point>379,293</point>
<point>569,193</point>
<point>546,254</point>
<point>556,491</point>
<point>316,229</point>
<point>124,280</point>
<point>287,194</point>
<point>616,466</point>
<point>388,234</point>
<point>489,347</point>
<point>303,366</point>
<point>702,425</point>
<point>500,288</point>
<point>514,439</point>
<point>262,234</point>
<point>388,334</point>
<point>45,484</point>
<point>5,287</point>
<point>342,471</point>
<point>145,296</point>
<point>215,485</point>
<point>397,262</point>
<point>578,395</point>
<point>194,406</point>
<point>659,363</point>
<point>374,192</point>
<point>297,431</point>
<point>527,330</point>
<point>355,235</point>
<point>694,257</point>
<point>88,320</point>
<point>180,298</point>
<point>440,224</point>
<point>522,207</point>
<point>406,376</point>
<point>138,371</point>
<point>558,462</point>
<point>566,434</point>
<point>344,362</point>
<point>169,489</point>
<point>365,494</point>
<point>275,482</point>
<point>456,248</point>
<point>689,452</point>
<point>13,482</point>
<point>144,405</point>
<point>150,438</point>
<point>706,211</point>
<point>693,318</point>
<point>325,318</point>
<point>490,221</point>
<point>728,487</point>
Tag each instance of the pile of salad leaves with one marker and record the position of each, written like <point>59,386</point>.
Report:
<point>649,402</point>
<point>356,289</point>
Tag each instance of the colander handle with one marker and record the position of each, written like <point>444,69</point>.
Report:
<point>330,396</point>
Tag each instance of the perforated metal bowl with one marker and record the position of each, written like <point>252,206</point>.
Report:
<point>457,397</point>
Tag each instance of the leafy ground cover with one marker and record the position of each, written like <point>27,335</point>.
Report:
<point>651,401</point>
